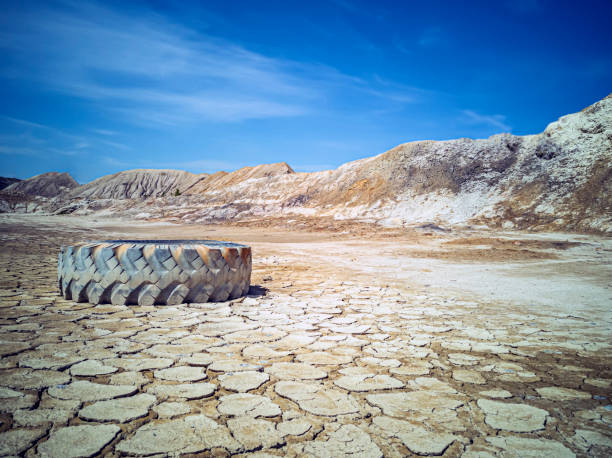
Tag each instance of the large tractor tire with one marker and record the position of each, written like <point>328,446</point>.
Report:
<point>148,272</point>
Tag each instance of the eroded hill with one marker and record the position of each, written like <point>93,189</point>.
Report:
<point>50,184</point>
<point>557,180</point>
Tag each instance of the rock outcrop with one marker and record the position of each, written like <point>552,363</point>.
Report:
<point>137,184</point>
<point>48,184</point>
<point>221,180</point>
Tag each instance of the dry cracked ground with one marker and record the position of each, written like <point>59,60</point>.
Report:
<point>464,344</point>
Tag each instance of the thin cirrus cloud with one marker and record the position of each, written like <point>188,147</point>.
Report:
<point>431,36</point>
<point>197,166</point>
<point>152,70</point>
<point>39,140</point>
<point>524,6</point>
<point>496,121</point>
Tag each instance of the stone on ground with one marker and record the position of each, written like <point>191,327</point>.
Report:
<point>348,440</point>
<point>588,439</point>
<point>418,440</point>
<point>323,358</point>
<point>85,391</point>
<point>368,382</point>
<point>12,403</point>
<point>198,359</point>
<point>29,379</point>
<point>139,364</point>
<point>555,393</point>
<point>41,416</point>
<point>129,378</point>
<point>530,448</point>
<point>192,434</point>
<point>295,427</point>
<point>233,365</point>
<point>295,371</point>
<point>243,381</point>
<point>41,360</point>
<point>121,410</point>
<point>78,441</point>
<point>519,418</point>
<point>183,390</point>
<point>412,369</point>
<point>17,441</point>
<point>181,374</point>
<point>317,399</point>
<point>90,368</point>
<point>401,404</point>
<point>171,409</point>
<point>466,376</point>
<point>254,434</point>
<point>10,348</point>
<point>245,404</point>
<point>501,394</point>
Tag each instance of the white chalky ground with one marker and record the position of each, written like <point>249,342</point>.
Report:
<point>319,365</point>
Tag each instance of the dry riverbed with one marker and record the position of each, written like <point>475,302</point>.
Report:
<point>382,343</point>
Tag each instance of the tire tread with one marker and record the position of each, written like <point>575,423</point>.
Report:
<point>152,274</point>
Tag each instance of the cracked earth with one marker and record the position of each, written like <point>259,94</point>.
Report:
<point>394,345</point>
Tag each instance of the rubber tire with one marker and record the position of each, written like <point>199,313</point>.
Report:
<point>154,272</point>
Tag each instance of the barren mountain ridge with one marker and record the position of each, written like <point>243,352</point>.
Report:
<point>559,179</point>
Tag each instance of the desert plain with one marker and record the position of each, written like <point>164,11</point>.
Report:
<point>354,340</point>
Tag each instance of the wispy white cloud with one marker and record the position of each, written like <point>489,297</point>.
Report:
<point>150,70</point>
<point>32,127</point>
<point>348,5</point>
<point>113,145</point>
<point>401,46</point>
<point>105,132</point>
<point>497,121</point>
<point>149,65</point>
<point>23,122</point>
<point>18,151</point>
<point>431,36</point>
<point>35,151</point>
<point>398,92</point>
<point>524,6</point>
<point>29,138</point>
<point>194,166</point>
<point>208,165</point>
<point>370,10</point>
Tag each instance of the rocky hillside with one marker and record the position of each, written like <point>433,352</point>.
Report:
<point>147,183</point>
<point>559,179</point>
<point>222,180</point>
<point>48,184</point>
<point>137,184</point>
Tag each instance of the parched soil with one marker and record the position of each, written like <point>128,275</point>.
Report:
<point>362,343</point>
<point>509,243</point>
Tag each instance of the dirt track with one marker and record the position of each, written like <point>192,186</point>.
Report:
<point>406,342</point>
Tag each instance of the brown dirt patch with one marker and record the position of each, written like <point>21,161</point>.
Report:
<point>482,255</point>
<point>514,243</point>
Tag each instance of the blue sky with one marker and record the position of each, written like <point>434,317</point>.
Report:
<point>95,88</point>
